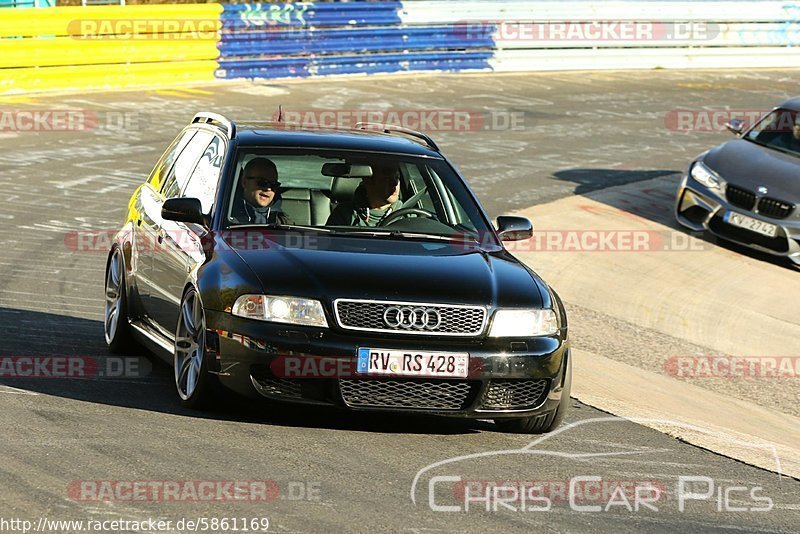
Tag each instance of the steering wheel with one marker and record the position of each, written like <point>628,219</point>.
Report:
<point>404,212</point>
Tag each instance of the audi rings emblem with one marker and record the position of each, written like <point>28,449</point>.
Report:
<point>408,318</point>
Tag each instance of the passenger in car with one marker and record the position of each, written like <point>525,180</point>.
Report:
<point>260,202</point>
<point>373,200</point>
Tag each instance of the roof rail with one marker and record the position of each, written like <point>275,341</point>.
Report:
<point>388,128</point>
<point>205,117</point>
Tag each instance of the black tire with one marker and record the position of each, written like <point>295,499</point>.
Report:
<point>542,423</point>
<point>189,355</point>
<point>116,327</point>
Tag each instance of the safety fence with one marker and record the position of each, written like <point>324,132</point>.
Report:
<point>116,46</point>
<point>310,39</point>
<point>104,47</point>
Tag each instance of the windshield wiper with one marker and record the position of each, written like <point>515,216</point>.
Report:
<point>773,147</point>
<point>397,234</point>
<point>279,226</point>
<point>784,150</point>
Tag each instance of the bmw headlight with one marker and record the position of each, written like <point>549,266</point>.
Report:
<point>278,309</point>
<point>524,323</point>
<point>705,176</point>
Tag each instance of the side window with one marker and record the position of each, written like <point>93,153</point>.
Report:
<point>204,179</point>
<point>159,172</point>
<point>184,164</point>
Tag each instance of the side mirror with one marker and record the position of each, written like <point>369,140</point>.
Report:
<point>511,228</point>
<point>187,210</point>
<point>736,126</point>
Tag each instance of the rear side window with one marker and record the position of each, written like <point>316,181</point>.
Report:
<point>184,164</point>
<point>159,172</point>
<point>203,182</point>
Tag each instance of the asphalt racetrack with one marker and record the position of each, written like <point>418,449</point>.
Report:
<point>73,449</point>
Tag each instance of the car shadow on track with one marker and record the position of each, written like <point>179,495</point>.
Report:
<point>144,382</point>
<point>590,180</point>
<point>654,201</point>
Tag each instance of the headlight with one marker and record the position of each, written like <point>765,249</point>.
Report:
<point>705,176</point>
<point>291,310</point>
<point>524,323</point>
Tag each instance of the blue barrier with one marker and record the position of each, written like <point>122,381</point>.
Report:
<point>244,16</point>
<point>358,64</point>
<point>312,39</point>
<point>361,40</point>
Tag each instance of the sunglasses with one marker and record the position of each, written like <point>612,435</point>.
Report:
<point>264,183</point>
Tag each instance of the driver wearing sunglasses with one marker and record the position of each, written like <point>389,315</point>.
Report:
<point>261,197</point>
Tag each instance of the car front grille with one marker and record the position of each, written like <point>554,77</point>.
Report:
<point>741,198</point>
<point>411,394</point>
<point>511,394</point>
<point>777,209</point>
<point>370,316</point>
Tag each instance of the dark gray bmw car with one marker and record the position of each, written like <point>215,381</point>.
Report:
<point>747,190</point>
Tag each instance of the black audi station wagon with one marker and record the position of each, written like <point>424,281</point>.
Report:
<point>342,267</point>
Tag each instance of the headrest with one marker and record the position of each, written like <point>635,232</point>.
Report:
<point>295,194</point>
<point>343,189</point>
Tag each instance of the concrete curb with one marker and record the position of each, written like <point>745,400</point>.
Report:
<point>737,429</point>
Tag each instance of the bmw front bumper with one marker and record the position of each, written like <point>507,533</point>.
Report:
<point>700,208</point>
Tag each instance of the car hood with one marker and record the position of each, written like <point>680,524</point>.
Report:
<point>751,166</point>
<point>328,268</point>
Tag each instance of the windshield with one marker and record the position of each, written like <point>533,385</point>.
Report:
<point>779,129</point>
<point>352,193</point>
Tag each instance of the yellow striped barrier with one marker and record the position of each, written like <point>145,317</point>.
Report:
<point>107,47</point>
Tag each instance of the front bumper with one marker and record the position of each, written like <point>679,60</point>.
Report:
<point>504,380</point>
<point>702,209</point>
